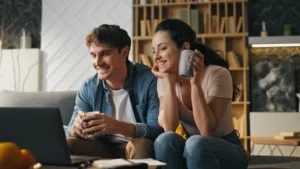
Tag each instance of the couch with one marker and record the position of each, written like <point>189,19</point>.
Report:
<point>65,101</point>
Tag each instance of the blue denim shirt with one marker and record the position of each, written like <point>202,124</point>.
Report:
<point>141,87</point>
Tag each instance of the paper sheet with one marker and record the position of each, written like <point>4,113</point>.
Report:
<point>111,163</point>
<point>149,161</point>
<point>123,162</point>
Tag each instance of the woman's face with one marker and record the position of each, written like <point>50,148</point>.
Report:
<point>165,52</point>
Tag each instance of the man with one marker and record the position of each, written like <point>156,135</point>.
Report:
<point>125,95</point>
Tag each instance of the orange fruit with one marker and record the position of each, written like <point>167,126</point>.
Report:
<point>28,159</point>
<point>10,155</point>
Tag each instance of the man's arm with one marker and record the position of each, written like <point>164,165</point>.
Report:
<point>152,129</point>
<point>81,103</point>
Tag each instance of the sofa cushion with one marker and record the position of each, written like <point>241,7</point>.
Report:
<point>64,100</point>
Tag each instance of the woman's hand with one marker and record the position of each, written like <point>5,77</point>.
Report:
<point>155,71</point>
<point>198,67</point>
<point>164,75</point>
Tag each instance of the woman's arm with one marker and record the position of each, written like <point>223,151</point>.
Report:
<point>168,117</point>
<point>207,112</point>
<point>168,112</point>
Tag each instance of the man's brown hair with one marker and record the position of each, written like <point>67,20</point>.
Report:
<point>111,35</point>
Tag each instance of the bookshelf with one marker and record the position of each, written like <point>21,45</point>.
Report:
<point>220,24</point>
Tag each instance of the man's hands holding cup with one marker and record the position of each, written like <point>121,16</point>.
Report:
<point>77,126</point>
<point>93,124</point>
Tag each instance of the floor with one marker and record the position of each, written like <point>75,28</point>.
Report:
<point>274,162</point>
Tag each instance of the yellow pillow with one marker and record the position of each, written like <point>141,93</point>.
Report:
<point>180,131</point>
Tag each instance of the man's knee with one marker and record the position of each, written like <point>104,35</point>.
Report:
<point>139,148</point>
<point>73,144</point>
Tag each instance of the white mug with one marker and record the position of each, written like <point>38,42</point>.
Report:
<point>185,67</point>
<point>87,113</point>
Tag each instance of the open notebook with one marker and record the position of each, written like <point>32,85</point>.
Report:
<point>122,162</point>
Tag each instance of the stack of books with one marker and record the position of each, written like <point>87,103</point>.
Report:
<point>288,135</point>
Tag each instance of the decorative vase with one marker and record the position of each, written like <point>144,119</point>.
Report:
<point>287,30</point>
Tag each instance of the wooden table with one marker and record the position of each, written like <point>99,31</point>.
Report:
<point>271,141</point>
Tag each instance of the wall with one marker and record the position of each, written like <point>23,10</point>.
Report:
<point>276,13</point>
<point>65,24</point>
<point>20,70</point>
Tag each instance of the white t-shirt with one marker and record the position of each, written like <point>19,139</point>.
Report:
<point>217,82</point>
<point>121,110</point>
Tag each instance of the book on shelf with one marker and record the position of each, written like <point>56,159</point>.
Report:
<point>235,123</point>
<point>241,126</point>
<point>231,24</point>
<point>286,137</point>
<point>239,98</point>
<point>143,2</point>
<point>154,24</point>
<point>165,1</point>
<point>239,24</point>
<point>143,28</point>
<point>145,60</point>
<point>290,133</point>
<point>183,15</point>
<point>233,60</point>
<point>214,24</point>
<point>222,25</point>
<point>148,28</point>
<point>195,20</point>
<point>238,125</point>
<point>205,22</point>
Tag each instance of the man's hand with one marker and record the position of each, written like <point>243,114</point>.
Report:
<point>76,128</point>
<point>97,124</point>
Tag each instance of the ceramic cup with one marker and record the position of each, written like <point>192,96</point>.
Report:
<point>186,63</point>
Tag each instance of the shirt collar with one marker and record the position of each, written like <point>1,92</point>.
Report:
<point>129,80</point>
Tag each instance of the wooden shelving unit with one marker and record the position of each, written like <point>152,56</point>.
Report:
<point>220,24</point>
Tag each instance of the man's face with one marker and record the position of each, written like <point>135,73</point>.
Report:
<point>107,61</point>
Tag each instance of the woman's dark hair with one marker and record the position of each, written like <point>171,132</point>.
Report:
<point>180,32</point>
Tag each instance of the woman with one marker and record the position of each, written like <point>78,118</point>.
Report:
<point>202,104</point>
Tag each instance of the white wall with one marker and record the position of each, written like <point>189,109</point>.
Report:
<point>65,24</point>
<point>269,124</point>
<point>20,70</point>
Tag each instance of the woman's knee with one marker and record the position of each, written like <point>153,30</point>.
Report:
<point>167,140</point>
<point>198,143</point>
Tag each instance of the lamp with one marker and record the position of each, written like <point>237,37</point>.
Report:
<point>274,41</point>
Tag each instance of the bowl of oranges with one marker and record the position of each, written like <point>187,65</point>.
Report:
<point>12,157</point>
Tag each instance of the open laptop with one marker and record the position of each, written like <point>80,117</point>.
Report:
<point>39,130</point>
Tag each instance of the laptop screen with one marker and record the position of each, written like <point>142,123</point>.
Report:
<point>39,130</point>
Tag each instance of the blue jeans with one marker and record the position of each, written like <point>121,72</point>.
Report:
<point>200,152</point>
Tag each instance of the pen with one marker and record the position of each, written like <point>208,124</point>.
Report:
<point>85,165</point>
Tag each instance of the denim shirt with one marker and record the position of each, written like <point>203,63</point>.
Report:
<point>141,87</point>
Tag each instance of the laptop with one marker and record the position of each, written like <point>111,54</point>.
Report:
<point>39,130</point>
